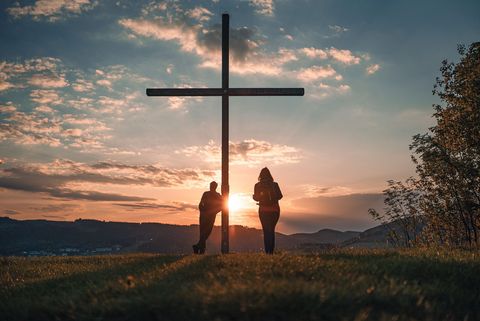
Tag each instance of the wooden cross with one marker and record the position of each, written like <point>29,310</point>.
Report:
<point>225,92</point>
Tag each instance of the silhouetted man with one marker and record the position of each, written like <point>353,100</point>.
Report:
<point>210,205</point>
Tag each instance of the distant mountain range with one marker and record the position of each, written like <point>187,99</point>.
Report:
<point>82,237</point>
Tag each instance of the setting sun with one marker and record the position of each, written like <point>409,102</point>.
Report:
<point>235,202</point>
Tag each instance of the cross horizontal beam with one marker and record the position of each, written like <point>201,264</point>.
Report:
<point>227,92</point>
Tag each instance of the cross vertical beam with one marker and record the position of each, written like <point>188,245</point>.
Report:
<point>225,92</point>
<point>225,139</point>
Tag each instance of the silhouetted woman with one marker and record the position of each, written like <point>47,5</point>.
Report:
<point>267,193</point>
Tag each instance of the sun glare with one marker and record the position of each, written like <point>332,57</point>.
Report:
<point>234,202</point>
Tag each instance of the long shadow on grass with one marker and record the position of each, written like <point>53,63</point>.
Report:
<point>419,269</point>
<point>171,297</point>
<point>443,284</point>
<point>177,296</point>
<point>77,295</point>
<point>166,288</point>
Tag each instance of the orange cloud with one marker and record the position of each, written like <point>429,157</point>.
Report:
<point>53,10</point>
<point>68,179</point>
<point>45,69</point>
<point>344,56</point>
<point>200,14</point>
<point>317,72</point>
<point>323,90</point>
<point>249,152</point>
<point>53,130</point>
<point>312,53</point>
<point>263,7</point>
<point>48,81</point>
<point>82,85</point>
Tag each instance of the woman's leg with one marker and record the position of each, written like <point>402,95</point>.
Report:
<point>264,221</point>
<point>269,220</point>
<point>274,220</point>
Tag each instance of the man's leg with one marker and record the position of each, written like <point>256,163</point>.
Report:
<point>201,239</point>
<point>206,226</point>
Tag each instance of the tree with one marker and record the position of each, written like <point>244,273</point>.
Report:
<point>401,216</point>
<point>446,194</point>
<point>448,157</point>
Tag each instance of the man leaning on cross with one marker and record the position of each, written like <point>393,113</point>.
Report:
<point>210,204</point>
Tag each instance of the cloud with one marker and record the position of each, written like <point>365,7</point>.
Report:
<point>44,109</point>
<point>30,65</point>
<point>104,82</point>
<point>10,212</point>
<point>108,76</point>
<point>303,222</point>
<point>48,81</point>
<point>83,103</point>
<point>173,207</point>
<point>314,73</point>
<point>109,105</point>
<point>249,152</point>
<point>52,10</point>
<point>182,206</point>
<point>82,85</point>
<point>29,128</point>
<point>54,208</point>
<point>84,120</point>
<point>43,80</point>
<point>179,103</point>
<point>169,69</point>
<point>316,190</point>
<point>5,85</point>
<point>35,182</point>
<point>54,216</point>
<point>241,43</point>
<point>323,90</point>
<point>176,102</point>
<point>200,13</point>
<point>337,29</point>
<point>341,205</point>
<point>67,179</point>
<point>249,59</point>
<point>313,53</point>
<point>146,206</point>
<point>372,69</point>
<point>42,126</point>
<point>344,56</point>
<point>8,107</point>
<point>46,96</point>
<point>150,174</point>
<point>163,30</point>
<point>250,55</point>
<point>43,71</point>
<point>341,212</point>
<point>263,7</point>
<point>205,42</point>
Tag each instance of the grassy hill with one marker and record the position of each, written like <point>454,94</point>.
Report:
<point>332,285</point>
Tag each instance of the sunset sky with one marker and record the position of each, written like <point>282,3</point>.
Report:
<point>80,139</point>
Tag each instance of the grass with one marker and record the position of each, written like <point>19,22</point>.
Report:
<point>333,285</point>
